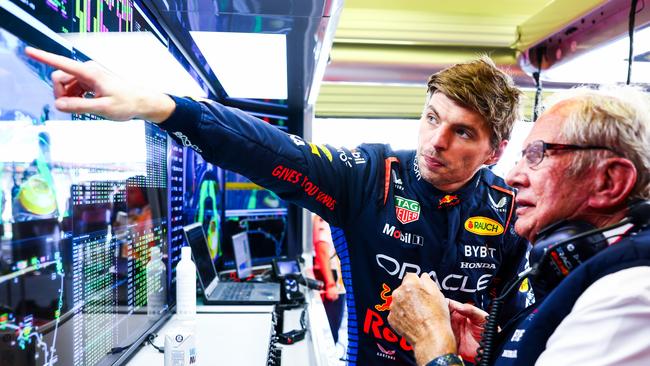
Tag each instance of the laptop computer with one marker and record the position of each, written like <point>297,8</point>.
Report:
<point>217,292</point>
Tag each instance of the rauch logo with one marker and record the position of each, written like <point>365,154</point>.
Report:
<point>480,225</point>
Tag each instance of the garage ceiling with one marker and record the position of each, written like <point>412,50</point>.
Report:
<point>387,48</point>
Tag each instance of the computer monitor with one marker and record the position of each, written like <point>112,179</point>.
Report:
<point>258,212</point>
<point>244,196</point>
<point>203,198</point>
<point>196,240</point>
<point>267,236</point>
<point>84,208</point>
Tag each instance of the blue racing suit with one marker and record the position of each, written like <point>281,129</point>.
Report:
<point>391,221</point>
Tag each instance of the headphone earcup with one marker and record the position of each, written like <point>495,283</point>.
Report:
<point>555,262</point>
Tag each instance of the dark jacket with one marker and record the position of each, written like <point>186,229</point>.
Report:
<point>392,221</point>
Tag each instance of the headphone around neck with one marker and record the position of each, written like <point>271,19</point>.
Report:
<point>559,249</point>
<point>564,245</point>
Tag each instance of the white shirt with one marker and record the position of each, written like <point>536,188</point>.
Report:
<point>608,325</point>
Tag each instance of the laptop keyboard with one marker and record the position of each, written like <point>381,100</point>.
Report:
<point>236,291</point>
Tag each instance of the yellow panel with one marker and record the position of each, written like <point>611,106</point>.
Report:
<point>378,25</point>
<point>468,7</point>
<point>417,35</point>
<point>472,23</point>
<point>354,100</point>
<point>387,54</point>
<point>436,22</point>
<point>383,101</point>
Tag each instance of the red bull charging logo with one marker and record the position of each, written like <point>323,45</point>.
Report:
<point>387,299</point>
<point>376,326</point>
<point>449,200</point>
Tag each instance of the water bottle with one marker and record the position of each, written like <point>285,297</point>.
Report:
<point>186,286</point>
<point>180,340</point>
<point>156,276</point>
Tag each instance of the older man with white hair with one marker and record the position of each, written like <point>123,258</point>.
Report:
<point>582,183</point>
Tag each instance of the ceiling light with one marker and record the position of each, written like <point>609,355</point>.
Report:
<point>248,65</point>
<point>138,57</point>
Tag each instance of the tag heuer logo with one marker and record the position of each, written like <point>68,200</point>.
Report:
<point>406,210</point>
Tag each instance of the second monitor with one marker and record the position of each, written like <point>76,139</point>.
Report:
<point>266,234</point>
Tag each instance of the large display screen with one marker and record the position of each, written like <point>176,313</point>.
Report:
<point>66,16</point>
<point>86,207</point>
<point>203,199</point>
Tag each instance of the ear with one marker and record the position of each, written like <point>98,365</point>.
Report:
<point>613,182</point>
<point>496,154</point>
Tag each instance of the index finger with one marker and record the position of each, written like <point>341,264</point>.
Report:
<point>473,313</point>
<point>454,304</point>
<point>56,61</point>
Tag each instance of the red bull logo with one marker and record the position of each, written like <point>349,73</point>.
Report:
<point>375,326</point>
<point>449,200</point>
<point>387,299</point>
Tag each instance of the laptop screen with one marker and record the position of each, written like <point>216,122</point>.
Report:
<point>196,239</point>
<point>242,251</point>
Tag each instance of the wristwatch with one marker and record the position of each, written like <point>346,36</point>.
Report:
<point>450,359</point>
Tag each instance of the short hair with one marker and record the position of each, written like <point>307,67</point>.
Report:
<point>617,117</point>
<point>480,86</point>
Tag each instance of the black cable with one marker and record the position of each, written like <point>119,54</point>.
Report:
<point>484,354</point>
<point>115,350</point>
<point>488,337</point>
<point>303,322</point>
<point>538,83</point>
<point>150,339</point>
<point>630,57</point>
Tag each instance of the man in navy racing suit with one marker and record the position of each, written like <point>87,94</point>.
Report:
<point>434,210</point>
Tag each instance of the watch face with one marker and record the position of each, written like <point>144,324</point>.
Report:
<point>449,359</point>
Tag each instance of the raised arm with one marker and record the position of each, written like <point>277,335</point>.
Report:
<point>75,83</point>
<point>328,181</point>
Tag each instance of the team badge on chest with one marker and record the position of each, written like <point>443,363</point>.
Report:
<point>406,210</point>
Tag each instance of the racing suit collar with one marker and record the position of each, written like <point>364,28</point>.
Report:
<point>432,195</point>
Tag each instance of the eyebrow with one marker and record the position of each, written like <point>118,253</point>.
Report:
<point>465,125</point>
<point>430,108</point>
